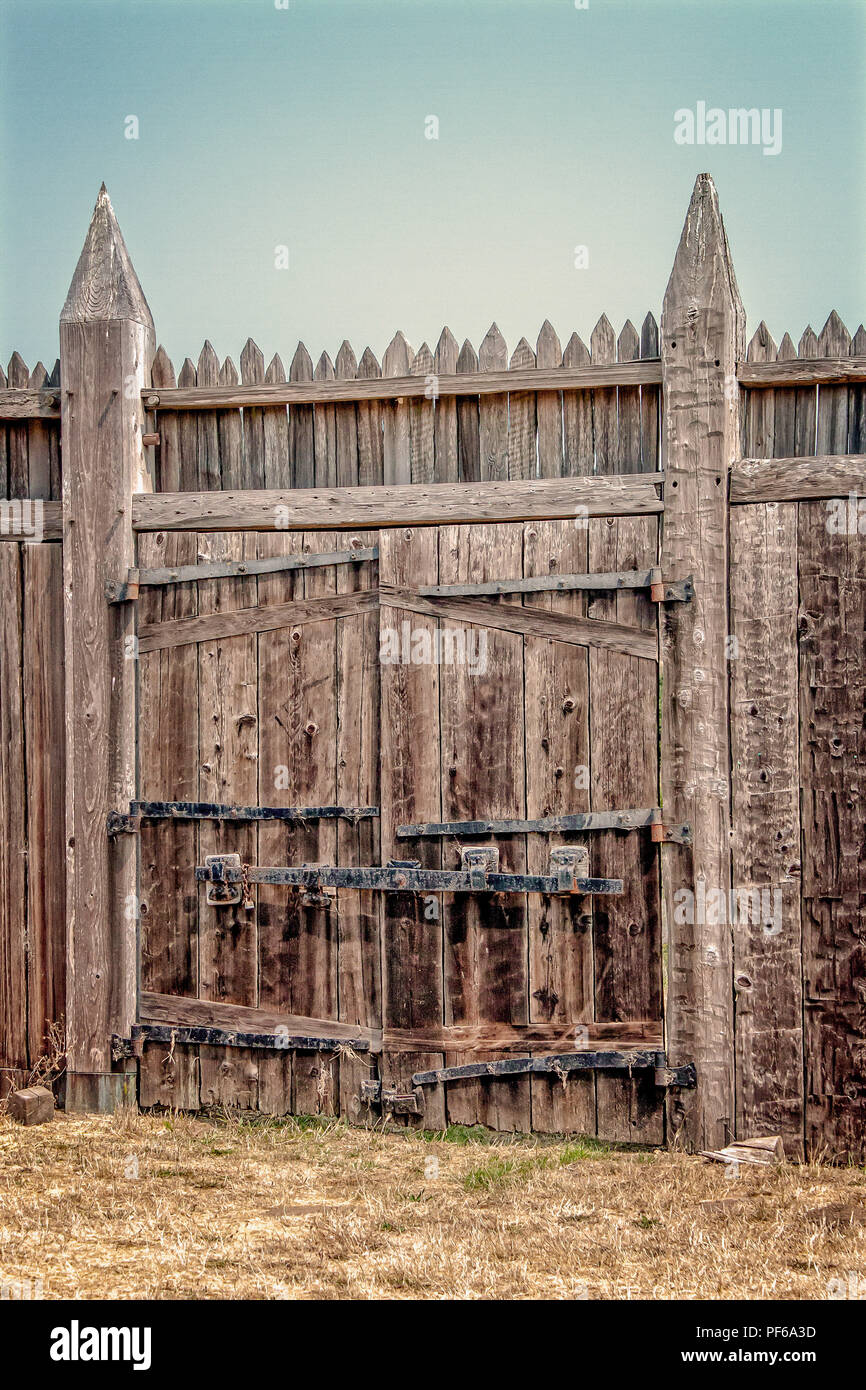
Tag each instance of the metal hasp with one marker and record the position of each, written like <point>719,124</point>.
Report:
<point>395,1102</point>
<point>563,1062</point>
<point>405,877</point>
<point>221,1037</point>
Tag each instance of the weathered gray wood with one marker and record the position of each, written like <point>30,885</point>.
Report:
<point>370,508</point>
<point>395,415</point>
<point>468,445</point>
<point>522,420</point>
<point>302,442</point>
<point>549,406</point>
<point>493,409</point>
<point>802,371</point>
<point>797,479</point>
<point>580,821</point>
<point>24,403</point>
<point>207,626</point>
<point>536,622</point>
<point>399,384</point>
<point>445,417</point>
<point>203,1013</point>
<point>106,342</point>
<point>702,337</point>
<point>765,844</point>
<point>13,799</point>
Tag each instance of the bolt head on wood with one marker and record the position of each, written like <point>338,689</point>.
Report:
<point>32,1106</point>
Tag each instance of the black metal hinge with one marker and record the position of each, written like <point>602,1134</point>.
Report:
<point>563,1062</point>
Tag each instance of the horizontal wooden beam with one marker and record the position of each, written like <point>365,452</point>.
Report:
<point>798,479</point>
<point>411,504</point>
<point>174,1010</point>
<point>532,622</point>
<point>475,1038</point>
<point>802,371</point>
<point>646,372</point>
<point>21,403</point>
<point>22,517</point>
<point>154,637</point>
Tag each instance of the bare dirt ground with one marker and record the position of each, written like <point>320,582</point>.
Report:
<point>165,1206</point>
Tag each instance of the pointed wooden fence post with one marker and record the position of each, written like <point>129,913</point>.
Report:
<point>106,350</point>
<point>702,336</point>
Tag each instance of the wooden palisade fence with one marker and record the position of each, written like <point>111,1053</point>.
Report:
<point>367,732</point>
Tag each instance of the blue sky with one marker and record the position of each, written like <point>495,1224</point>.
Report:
<point>305,127</point>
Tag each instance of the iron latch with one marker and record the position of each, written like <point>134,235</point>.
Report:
<point>393,1101</point>
<point>478,862</point>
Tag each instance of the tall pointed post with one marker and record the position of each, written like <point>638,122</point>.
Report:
<point>106,349</point>
<point>702,336</point>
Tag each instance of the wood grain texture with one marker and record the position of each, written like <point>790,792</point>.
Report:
<point>13,860</point>
<point>369,508</point>
<point>412,926</point>
<point>228,622</point>
<point>397,383</point>
<point>623,723</point>
<point>106,341</point>
<point>560,985</point>
<point>482,761</point>
<point>493,409</point>
<point>702,325</point>
<point>445,449</point>
<point>797,479</point>
<point>765,849</point>
<point>805,370</point>
<point>832,580</point>
<point>530,618</point>
<point>395,412</point>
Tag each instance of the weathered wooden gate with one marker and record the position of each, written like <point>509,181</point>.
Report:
<point>404,697</point>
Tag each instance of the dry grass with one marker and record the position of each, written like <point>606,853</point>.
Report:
<point>160,1206</point>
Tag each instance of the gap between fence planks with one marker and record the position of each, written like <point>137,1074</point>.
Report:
<point>644,373</point>
<point>797,479</point>
<point>434,504</point>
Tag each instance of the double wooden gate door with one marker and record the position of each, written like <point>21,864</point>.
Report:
<point>389,716</point>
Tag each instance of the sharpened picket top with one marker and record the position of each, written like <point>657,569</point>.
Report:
<point>702,337</point>
<point>106,344</point>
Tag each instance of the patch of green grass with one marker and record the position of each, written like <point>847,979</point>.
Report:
<point>582,1148</point>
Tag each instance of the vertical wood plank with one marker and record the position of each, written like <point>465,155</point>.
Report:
<point>624,742</point>
<point>765,785</point>
<point>302,440</point>
<point>702,337</point>
<point>106,342</point>
<point>395,414</point>
<point>421,420</point>
<point>410,786</point>
<point>493,411</point>
<point>468,441</point>
<point>445,421</point>
<point>346,369</point>
<point>557,783</point>
<point>521,446</point>
<point>578,458</point>
<point>358,746</point>
<point>482,723</point>
<point>832,577</point>
<point>370,441</point>
<point>13,796</point>
<point>325,429</point>
<point>549,407</point>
